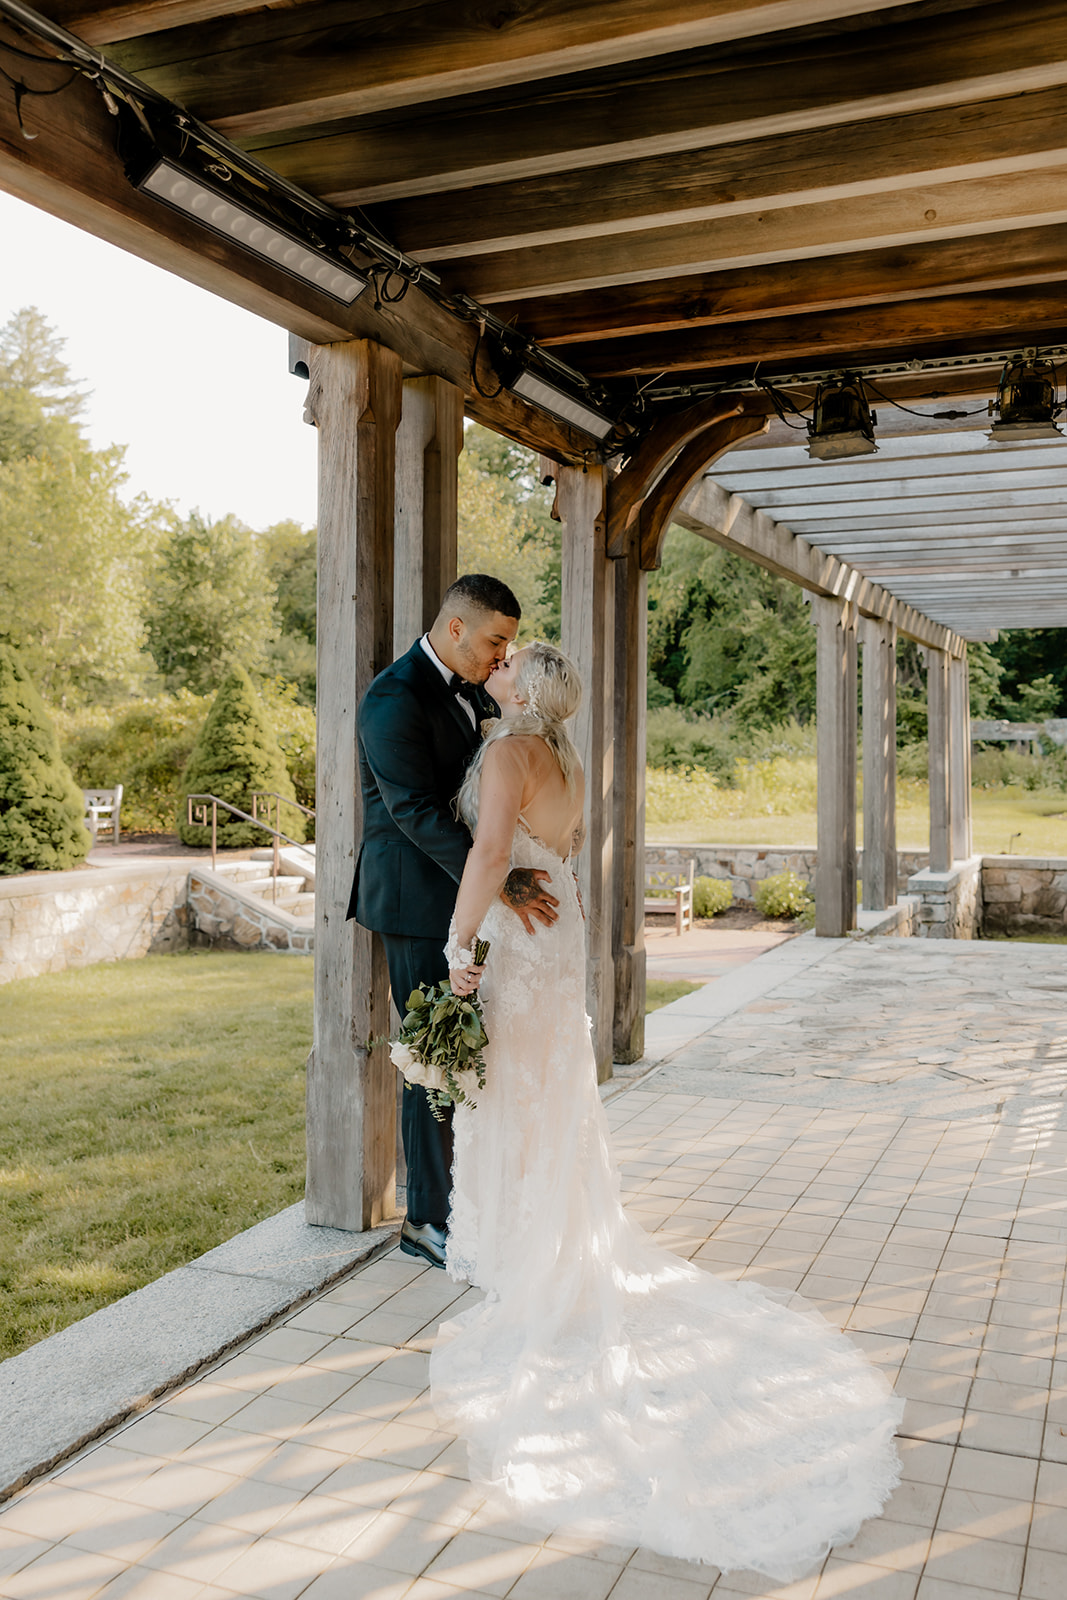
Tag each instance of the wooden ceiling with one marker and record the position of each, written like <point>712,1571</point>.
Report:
<point>661,195</point>
<point>683,189</point>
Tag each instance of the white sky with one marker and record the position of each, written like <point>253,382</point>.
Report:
<point>197,389</point>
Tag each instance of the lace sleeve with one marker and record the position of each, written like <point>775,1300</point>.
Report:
<point>455,953</point>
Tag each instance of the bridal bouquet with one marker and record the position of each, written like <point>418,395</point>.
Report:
<point>441,1041</point>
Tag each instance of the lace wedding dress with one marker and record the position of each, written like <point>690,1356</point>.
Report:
<point>605,1384</point>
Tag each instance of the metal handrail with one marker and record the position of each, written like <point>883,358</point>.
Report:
<point>272,794</point>
<point>196,813</point>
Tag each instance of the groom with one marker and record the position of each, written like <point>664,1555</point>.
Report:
<point>419,726</point>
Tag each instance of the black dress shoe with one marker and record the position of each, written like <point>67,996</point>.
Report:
<point>424,1239</point>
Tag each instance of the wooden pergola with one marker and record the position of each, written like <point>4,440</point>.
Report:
<point>657,211</point>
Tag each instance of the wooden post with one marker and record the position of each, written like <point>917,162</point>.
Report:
<point>939,734</point>
<point>959,691</point>
<point>628,896</point>
<point>588,638</point>
<point>835,878</point>
<point>354,401</point>
<point>428,443</point>
<point>879,641</point>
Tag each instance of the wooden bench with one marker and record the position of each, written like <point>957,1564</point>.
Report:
<point>103,803</point>
<point>664,887</point>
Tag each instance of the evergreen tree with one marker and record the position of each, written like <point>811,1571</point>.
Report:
<point>41,807</point>
<point>236,755</point>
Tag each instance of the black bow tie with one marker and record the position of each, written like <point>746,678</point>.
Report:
<point>460,686</point>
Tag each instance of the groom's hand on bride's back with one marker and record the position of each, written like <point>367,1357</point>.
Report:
<point>528,899</point>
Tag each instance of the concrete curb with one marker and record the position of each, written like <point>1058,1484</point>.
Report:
<point>63,1392</point>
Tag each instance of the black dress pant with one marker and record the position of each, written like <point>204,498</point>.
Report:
<point>427,1142</point>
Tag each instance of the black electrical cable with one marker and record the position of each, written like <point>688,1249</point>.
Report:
<point>940,416</point>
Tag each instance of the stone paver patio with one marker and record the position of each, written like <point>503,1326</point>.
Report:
<point>883,1130</point>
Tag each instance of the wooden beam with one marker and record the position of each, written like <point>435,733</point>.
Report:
<point>285,67</point>
<point>660,444</point>
<point>106,24</point>
<point>657,509</point>
<point>428,443</point>
<point>808,80</point>
<point>879,641</point>
<point>945,494</point>
<point>788,232</point>
<point>727,520</point>
<point>835,732</point>
<point>988,318</point>
<point>354,401</point>
<point>798,167</point>
<point>71,169</point>
<point>959,711</point>
<point>859,278</point>
<point>631,714</point>
<point>588,637</point>
<point>939,725</point>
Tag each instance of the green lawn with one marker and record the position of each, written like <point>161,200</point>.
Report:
<point>1040,819</point>
<point>661,991</point>
<point>152,1109</point>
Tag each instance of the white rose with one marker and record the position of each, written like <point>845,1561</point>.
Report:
<point>467,1083</point>
<point>402,1056</point>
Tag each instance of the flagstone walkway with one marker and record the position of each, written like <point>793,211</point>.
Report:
<point>884,1131</point>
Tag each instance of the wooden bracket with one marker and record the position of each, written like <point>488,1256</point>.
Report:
<point>630,486</point>
<point>656,511</point>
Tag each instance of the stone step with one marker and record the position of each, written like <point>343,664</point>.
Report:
<point>264,886</point>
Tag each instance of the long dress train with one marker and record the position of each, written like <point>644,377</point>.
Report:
<point>605,1384</point>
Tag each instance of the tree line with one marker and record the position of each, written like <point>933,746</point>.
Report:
<point>127,616</point>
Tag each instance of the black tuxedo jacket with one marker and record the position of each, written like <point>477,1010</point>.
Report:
<point>415,744</point>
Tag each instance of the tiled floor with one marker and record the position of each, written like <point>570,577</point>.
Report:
<point>309,1464</point>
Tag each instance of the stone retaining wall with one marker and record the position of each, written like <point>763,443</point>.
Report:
<point>227,917</point>
<point>1023,894</point>
<point>51,921</point>
<point>745,865</point>
<point>949,902</point>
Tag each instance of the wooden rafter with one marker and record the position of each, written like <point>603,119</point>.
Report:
<point>284,66</point>
<point>911,151</point>
<point>699,101</point>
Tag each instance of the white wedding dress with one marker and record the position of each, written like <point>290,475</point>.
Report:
<point>605,1384</point>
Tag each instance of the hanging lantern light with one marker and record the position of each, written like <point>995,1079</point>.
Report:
<point>843,423</point>
<point>1027,403</point>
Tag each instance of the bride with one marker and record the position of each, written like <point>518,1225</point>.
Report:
<point>606,1384</point>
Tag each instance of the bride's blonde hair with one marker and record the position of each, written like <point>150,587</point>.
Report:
<point>548,682</point>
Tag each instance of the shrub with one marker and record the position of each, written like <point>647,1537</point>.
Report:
<point>676,740</point>
<point>236,753</point>
<point>712,895</point>
<point>41,806</point>
<point>144,746</point>
<point>294,724</point>
<point>782,895</point>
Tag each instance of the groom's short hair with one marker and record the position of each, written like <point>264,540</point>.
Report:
<point>478,592</point>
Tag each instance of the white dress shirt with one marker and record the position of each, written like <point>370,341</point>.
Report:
<point>446,673</point>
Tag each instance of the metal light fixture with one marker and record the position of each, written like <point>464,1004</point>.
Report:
<point>549,397</point>
<point>843,423</point>
<point>213,195</point>
<point>1027,403</point>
